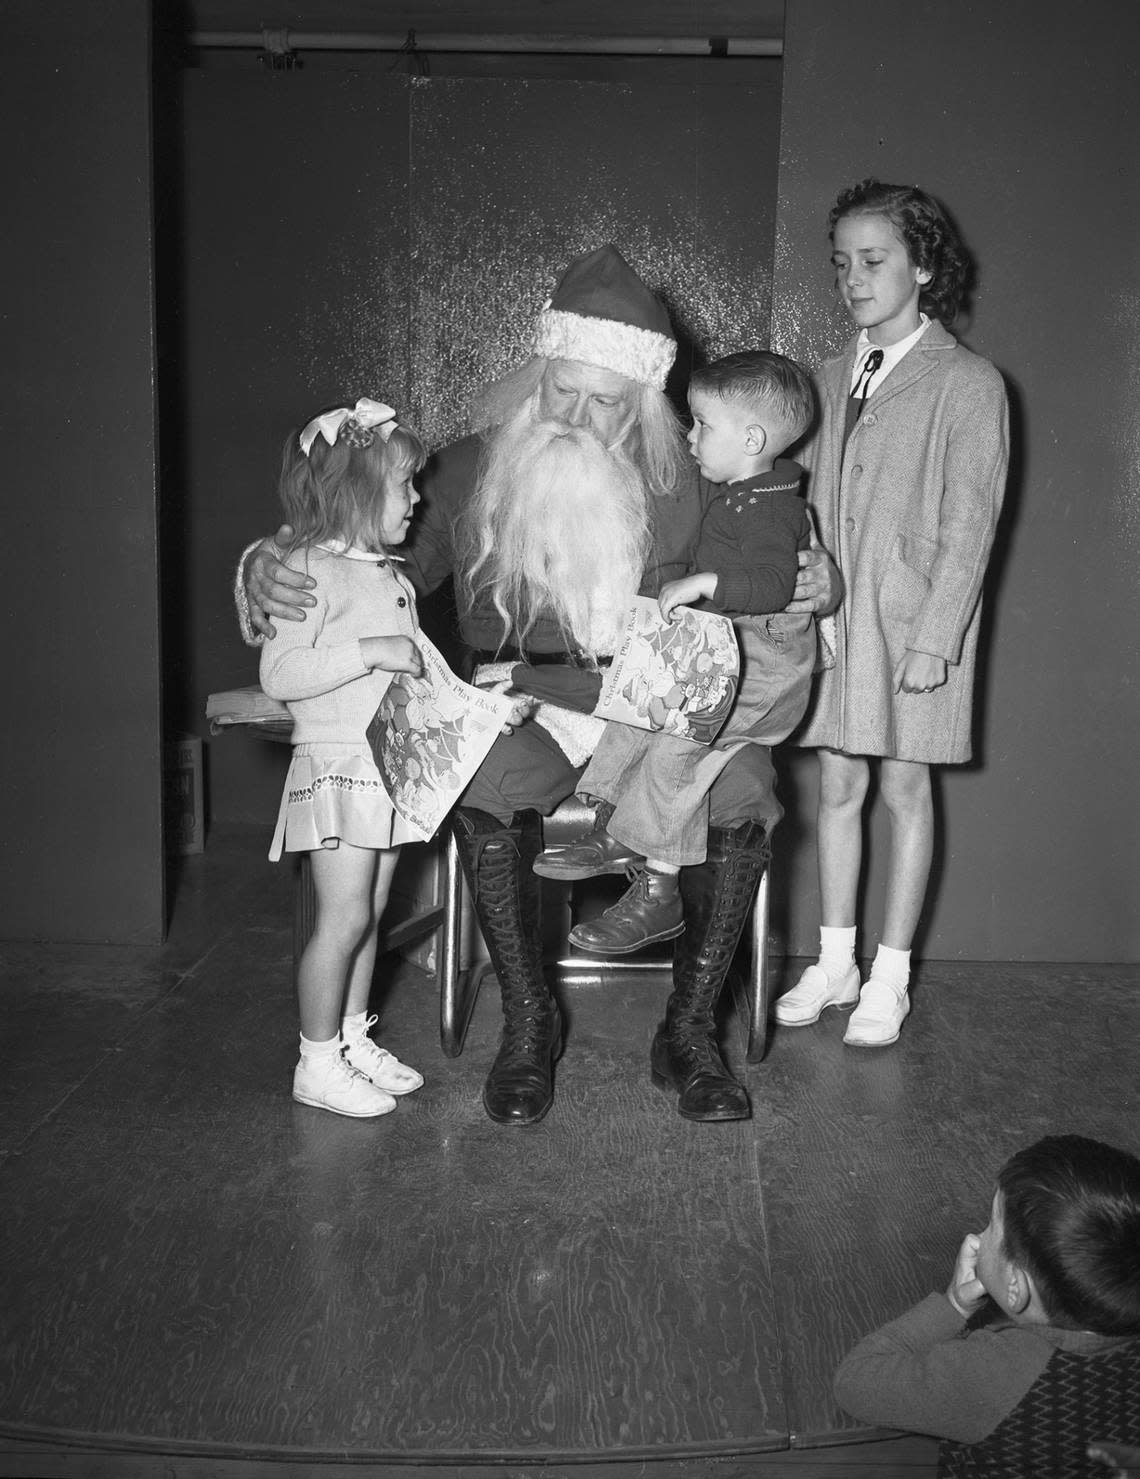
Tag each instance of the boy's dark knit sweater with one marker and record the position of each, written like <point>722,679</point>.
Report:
<point>750,537</point>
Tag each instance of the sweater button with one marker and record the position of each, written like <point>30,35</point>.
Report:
<point>401,600</point>
<point>850,523</point>
<point>869,419</point>
<point>857,470</point>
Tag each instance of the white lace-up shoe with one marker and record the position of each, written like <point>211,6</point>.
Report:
<point>815,991</point>
<point>378,1065</point>
<point>875,1022</point>
<point>329,1083</point>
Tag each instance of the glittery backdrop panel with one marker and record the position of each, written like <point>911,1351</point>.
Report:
<point>510,180</point>
<point>296,256</point>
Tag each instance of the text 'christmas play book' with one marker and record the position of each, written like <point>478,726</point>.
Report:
<point>679,675</point>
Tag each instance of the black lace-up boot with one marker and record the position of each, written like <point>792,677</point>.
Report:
<point>497,861</point>
<point>718,895</point>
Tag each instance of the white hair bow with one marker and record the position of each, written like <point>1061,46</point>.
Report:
<point>366,414</point>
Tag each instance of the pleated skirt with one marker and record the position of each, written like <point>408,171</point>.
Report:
<point>334,794</point>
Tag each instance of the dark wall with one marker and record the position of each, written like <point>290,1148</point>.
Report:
<point>362,232</point>
<point>82,856</point>
<point>1024,119</point>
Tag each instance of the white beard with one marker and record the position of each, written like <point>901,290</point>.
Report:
<point>558,528</point>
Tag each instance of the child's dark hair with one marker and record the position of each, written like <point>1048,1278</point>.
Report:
<point>930,236</point>
<point>335,491</point>
<point>1071,1219</point>
<point>757,375</point>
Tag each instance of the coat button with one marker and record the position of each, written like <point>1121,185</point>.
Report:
<point>401,600</point>
<point>869,419</point>
<point>857,470</point>
<point>850,523</point>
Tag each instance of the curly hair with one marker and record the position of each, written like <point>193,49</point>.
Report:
<point>930,236</point>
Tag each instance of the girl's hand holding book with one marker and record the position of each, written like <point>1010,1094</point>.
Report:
<point>392,654</point>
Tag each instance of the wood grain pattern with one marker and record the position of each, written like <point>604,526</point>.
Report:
<point>201,1259</point>
<point>889,1155</point>
<point>198,1268</point>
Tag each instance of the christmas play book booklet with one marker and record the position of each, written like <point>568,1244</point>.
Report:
<point>678,675</point>
<point>430,735</point>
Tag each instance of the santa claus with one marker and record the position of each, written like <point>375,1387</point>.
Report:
<point>574,492</point>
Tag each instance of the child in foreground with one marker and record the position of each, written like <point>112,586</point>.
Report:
<point>1033,1353</point>
<point>346,489</point>
<point>653,788</point>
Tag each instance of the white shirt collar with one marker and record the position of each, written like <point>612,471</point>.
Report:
<point>354,552</point>
<point>892,353</point>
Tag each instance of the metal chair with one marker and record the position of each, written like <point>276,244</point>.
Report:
<point>249,709</point>
<point>458,989</point>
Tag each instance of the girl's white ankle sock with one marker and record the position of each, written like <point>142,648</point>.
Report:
<point>311,1049</point>
<point>892,966</point>
<point>354,1026</point>
<point>836,950</point>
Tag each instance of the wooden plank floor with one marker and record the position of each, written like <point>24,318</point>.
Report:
<point>201,1274</point>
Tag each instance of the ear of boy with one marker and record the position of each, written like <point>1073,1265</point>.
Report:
<point>1017,1290</point>
<point>1021,1298</point>
<point>755,439</point>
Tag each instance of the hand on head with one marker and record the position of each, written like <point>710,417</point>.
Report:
<point>966,1291</point>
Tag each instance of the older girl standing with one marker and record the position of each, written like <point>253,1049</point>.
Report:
<point>907,476</point>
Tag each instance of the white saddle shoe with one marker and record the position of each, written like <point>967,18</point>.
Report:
<point>815,991</point>
<point>875,1022</point>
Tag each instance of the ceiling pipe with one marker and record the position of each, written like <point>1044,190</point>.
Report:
<point>284,42</point>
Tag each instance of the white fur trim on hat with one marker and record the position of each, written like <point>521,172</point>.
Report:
<point>638,354</point>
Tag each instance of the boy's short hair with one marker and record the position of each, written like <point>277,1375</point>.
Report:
<point>1071,1219</point>
<point>765,379</point>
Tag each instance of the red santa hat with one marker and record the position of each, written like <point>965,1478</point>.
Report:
<point>602,314</point>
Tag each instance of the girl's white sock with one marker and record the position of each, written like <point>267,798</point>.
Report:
<point>893,967</point>
<point>836,950</point>
<point>354,1026</point>
<point>316,1050</point>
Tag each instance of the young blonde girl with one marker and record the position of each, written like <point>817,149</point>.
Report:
<point>346,489</point>
<point>907,474</point>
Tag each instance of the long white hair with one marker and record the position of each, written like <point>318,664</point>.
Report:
<point>559,528</point>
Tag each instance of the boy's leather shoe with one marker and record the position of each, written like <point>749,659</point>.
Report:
<point>648,911</point>
<point>597,853</point>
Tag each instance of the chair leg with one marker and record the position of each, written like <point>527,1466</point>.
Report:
<point>759,983</point>
<point>458,990</point>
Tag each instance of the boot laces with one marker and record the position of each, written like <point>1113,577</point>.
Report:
<point>504,846</point>
<point>528,1024</point>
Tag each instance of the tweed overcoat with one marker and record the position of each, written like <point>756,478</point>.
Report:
<point>908,514</point>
